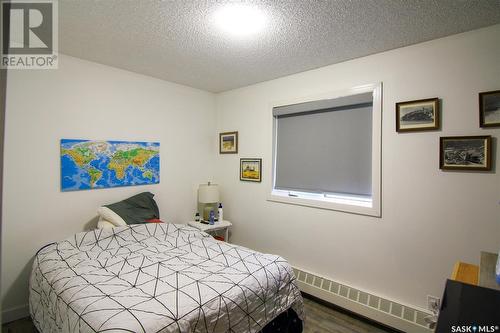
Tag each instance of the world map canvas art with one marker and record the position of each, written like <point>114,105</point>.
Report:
<point>87,164</point>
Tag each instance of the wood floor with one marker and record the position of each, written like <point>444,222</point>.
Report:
<point>319,319</point>
<point>19,326</point>
<point>323,319</point>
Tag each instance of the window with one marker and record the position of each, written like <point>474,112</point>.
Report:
<point>326,151</point>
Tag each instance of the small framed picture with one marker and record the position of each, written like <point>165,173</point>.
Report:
<point>489,109</point>
<point>419,115</point>
<point>250,169</point>
<point>228,143</point>
<point>465,153</point>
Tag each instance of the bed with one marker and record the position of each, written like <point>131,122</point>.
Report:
<point>160,277</point>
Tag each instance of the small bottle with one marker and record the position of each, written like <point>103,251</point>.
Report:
<point>197,217</point>
<point>220,213</point>
<point>212,217</point>
<point>498,269</point>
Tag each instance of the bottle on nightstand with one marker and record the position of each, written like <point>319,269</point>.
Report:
<point>498,269</point>
<point>220,213</point>
<point>212,217</point>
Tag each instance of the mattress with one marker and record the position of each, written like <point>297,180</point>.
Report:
<point>157,278</point>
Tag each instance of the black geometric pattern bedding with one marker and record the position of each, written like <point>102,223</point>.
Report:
<point>157,278</point>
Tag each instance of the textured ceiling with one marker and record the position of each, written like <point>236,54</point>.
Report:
<point>175,40</point>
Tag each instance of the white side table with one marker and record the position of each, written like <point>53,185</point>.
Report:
<point>208,228</point>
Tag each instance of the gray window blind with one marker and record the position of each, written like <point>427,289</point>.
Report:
<point>325,146</point>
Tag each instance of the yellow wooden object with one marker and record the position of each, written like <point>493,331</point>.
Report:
<point>466,273</point>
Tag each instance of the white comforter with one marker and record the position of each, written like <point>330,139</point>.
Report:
<point>157,278</point>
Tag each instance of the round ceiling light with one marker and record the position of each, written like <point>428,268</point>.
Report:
<point>239,20</point>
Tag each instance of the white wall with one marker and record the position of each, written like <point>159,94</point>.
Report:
<point>84,100</point>
<point>430,218</point>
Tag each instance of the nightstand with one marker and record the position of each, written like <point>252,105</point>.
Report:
<point>208,228</point>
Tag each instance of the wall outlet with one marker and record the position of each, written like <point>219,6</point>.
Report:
<point>433,303</point>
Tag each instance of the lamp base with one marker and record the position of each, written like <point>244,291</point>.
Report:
<point>205,208</point>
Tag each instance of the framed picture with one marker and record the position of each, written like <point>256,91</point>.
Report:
<point>419,115</point>
<point>489,109</point>
<point>228,143</point>
<point>465,153</point>
<point>250,169</point>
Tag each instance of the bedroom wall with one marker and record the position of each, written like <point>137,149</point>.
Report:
<point>430,218</point>
<point>90,101</point>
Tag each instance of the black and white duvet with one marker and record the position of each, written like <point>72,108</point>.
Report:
<point>157,278</point>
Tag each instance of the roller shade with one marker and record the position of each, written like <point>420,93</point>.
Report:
<point>325,146</point>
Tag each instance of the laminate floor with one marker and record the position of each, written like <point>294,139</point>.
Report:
<point>320,319</point>
<point>24,325</point>
<point>323,319</point>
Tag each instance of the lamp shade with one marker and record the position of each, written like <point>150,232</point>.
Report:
<point>208,193</point>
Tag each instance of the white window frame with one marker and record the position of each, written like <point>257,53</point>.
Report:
<point>339,202</point>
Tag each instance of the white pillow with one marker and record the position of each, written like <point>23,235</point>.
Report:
<point>103,224</point>
<point>107,214</point>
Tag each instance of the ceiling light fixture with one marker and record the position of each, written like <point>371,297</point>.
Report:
<point>239,20</point>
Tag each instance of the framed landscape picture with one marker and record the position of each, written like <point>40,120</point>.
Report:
<point>228,143</point>
<point>489,109</point>
<point>419,115</point>
<point>465,153</point>
<point>250,169</point>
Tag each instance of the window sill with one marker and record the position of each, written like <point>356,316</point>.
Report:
<point>354,205</point>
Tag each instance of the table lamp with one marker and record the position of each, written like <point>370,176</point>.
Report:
<point>208,199</point>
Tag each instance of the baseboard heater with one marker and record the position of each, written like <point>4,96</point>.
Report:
<point>393,314</point>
